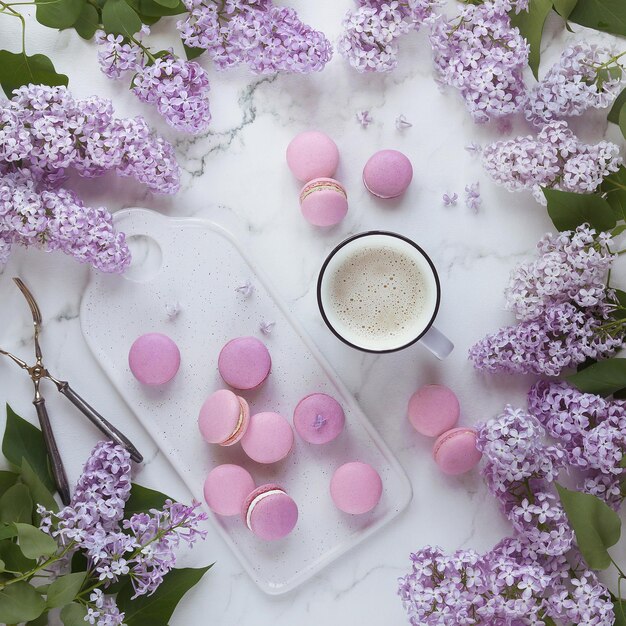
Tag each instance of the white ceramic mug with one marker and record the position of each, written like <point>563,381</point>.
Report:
<point>424,298</point>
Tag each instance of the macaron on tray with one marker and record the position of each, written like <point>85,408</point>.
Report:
<point>310,476</point>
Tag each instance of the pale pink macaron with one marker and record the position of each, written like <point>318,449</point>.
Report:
<point>324,202</point>
<point>244,363</point>
<point>269,512</point>
<point>154,359</point>
<point>318,418</point>
<point>433,409</point>
<point>312,154</point>
<point>226,488</point>
<point>356,488</point>
<point>387,174</point>
<point>455,451</point>
<point>268,439</point>
<point>224,418</point>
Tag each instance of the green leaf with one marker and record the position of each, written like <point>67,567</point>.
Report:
<point>7,531</point>
<point>58,13</point>
<point>88,22</point>
<point>34,543</point>
<point>20,602</point>
<point>79,562</point>
<point>73,614</point>
<point>14,560</point>
<point>619,608</point>
<point>564,7</point>
<point>17,69</point>
<point>618,105</point>
<point>603,378</point>
<point>152,9</point>
<point>158,608</point>
<point>604,15</point>
<point>21,439</point>
<point>38,491</point>
<point>618,230</point>
<point>170,4</point>
<point>596,525</point>
<point>142,499</point>
<point>192,53</point>
<point>7,479</point>
<point>16,505</point>
<point>120,19</point>
<point>568,210</point>
<point>622,121</point>
<point>614,188</point>
<point>42,620</point>
<point>530,24</point>
<point>63,590</point>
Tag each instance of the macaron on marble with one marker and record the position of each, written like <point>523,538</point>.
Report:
<point>270,513</point>
<point>318,418</point>
<point>268,439</point>
<point>244,363</point>
<point>323,202</point>
<point>433,409</point>
<point>387,174</point>
<point>226,488</point>
<point>356,488</point>
<point>455,451</point>
<point>224,418</point>
<point>312,154</point>
<point>154,359</point>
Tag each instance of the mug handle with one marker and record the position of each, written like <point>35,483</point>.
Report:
<point>437,343</point>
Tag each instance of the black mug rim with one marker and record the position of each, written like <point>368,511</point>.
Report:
<point>344,243</point>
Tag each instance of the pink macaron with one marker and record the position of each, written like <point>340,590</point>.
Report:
<point>224,418</point>
<point>244,363</point>
<point>312,154</point>
<point>269,512</point>
<point>387,174</point>
<point>318,418</point>
<point>433,409</point>
<point>226,488</point>
<point>154,359</point>
<point>268,439</point>
<point>356,488</point>
<point>455,451</point>
<point>324,202</point>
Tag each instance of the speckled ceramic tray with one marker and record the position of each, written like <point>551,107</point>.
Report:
<point>198,265</point>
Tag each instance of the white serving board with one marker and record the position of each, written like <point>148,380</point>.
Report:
<point>199,266</point>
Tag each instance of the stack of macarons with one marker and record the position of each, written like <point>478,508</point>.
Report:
<point>434,412</point>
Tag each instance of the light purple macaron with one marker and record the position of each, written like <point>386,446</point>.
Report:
<point>455,451</point>
<point>356,488</point>
<point>269,512</point>
<point>154,359</point>
<point>387,174</point>
<point>226,488</point>
<point>312,154</point>
<point>323,202</point>
<point>224,418</point>
<point>433,409</point>
<point>268,439</point>
<point>318,418</point>
<point>244,363</point>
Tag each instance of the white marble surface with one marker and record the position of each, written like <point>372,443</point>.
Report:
<point>236,176</point>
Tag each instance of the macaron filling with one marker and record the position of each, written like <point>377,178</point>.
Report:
<point>325,185</point>
<point>232,438</point>
<point>256,500</point>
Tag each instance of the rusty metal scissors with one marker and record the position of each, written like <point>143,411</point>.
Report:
<point>37,372</point>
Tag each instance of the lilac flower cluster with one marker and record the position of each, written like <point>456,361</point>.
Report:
<point>556,159</point>
<point>370,32</point>
<point>256,33</point>
<point>483,56</point>
<point>590,429</point>
<point>586,76</point>
<point>117,56</point>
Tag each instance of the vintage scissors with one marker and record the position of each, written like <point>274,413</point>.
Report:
<point>37,372</point>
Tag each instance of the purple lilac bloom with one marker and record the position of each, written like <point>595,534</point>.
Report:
<point>556,159</point>
<point>118,56</point>
<point>571,86</point>
<point>364,118</point>
<point>450,199</point>
<point>402,123</point>
<point>473,200</point>
<point>370,32</point>
<point>483,56</point>
<point>267,38</point>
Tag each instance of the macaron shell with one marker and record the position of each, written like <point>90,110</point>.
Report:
<point>154,359</point>
<point>387,174</point>
<point>318,418</point>
<point>356,488</point>
<point>312,154</point>
<point>244,363</point>
<point>268,439</point>
<point>220,414</point>
<point>226,487</point>
<point>455,451</point>
<point>433,409</point>
<point>324,202</point>
<point>273,517</point>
